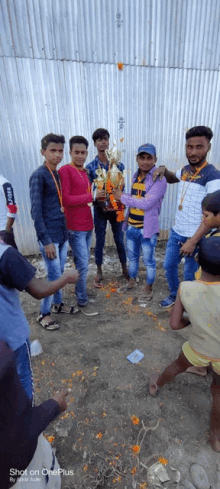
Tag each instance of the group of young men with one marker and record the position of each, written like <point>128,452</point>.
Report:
<point>61,209</point>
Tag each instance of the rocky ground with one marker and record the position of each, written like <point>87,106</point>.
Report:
<point>113,433</point>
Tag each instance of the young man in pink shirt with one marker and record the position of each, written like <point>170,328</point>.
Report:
<point>77,201</point>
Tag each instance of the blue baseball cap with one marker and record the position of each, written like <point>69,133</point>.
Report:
<point>147,148</point>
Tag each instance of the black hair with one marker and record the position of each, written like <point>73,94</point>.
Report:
<point>209,255</point>
<point>100,134</point>
<point>78,140</point>
<point>51,138</point>
<point>199,131</point>
<point>211,202</point>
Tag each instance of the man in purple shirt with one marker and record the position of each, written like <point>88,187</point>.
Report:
<point>142,220</point>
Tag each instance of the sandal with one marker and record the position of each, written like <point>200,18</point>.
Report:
<point>58,308</point>
<point>153,387</point>
<point>98,283</point>
<point>47,323</point>
<point>145,297</point>
<point>127,287</point>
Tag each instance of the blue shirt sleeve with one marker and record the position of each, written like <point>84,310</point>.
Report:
<point>15,271</point>
<point>36,196</point>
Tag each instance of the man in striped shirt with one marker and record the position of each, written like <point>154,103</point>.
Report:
<point>142,221</point>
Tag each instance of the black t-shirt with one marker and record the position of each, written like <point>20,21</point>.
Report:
<point>15,271</point>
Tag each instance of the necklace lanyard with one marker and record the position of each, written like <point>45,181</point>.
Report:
<point>58,187</point>
<point>180,206</point>
<point>88,190</point>
<point>88,182</point>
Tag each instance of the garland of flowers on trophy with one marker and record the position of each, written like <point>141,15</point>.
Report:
<point>114,178</point>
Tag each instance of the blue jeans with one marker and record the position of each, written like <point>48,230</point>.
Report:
<point>55,269</point>
<point>100,221</point>
<point>80,242</point>
<point>137,243</point>
<point>172,260</point>
<point>22,357</point>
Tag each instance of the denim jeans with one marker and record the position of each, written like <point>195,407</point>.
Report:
<point>100,221</point>
<point>137,243</point>
<point>55,269</point>
<point>80,242</point>
<point>172,260</point>
<point>22,357</point>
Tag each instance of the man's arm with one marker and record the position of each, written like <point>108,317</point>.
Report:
<point>189,246</point>
<point>39,288</point>
<point>156,192</point>
<point>162,171</point>
<point>9,224</point>
<point>177,321</point>
<point>36,196</point>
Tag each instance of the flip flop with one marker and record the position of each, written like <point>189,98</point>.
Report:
<point>153,384</point>
<point>194,370</point>
<point>48,324</point>
<point>145,297</point>
<point>98,283</point>
<point>63,308</point>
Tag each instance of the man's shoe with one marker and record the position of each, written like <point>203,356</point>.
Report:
<point>88,309</point>
<point>169,301</point>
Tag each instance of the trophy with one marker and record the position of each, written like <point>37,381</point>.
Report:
<point>114,175</point>
<point>109,180</point>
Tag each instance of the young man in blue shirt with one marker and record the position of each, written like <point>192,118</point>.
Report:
<point>47,211</point>
<point>102,212</point>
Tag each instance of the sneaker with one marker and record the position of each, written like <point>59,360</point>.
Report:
<point>169,301</point>
<point>88,310</point>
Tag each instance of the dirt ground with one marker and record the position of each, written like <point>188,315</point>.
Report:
<point>96,436</point>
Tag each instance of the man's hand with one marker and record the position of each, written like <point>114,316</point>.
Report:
<point>117,193</point>
<point>100,194</point>
<point>159,172</point>
<point>188,248</point>
<point>60,398</point>
<point>72,276</point>
<point>50,251</point>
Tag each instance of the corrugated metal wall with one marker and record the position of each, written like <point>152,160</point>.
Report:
<point>59,73</point>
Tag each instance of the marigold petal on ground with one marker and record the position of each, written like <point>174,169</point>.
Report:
<point>99,436</point>
<point>163,460</point>
<point>133,471</point>
<point>85,468</point>
<point>134,419</point>
<point>50,438</point>
<point>136,448</point>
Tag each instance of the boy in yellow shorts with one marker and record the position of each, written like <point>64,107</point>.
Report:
<point>201,300</point>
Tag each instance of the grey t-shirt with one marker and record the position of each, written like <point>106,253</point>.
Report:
<point>15,274</point>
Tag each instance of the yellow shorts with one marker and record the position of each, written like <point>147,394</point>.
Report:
<point>199,360</point>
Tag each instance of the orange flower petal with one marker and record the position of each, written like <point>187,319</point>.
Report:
<point>133,471</point>
<point>120,66</point>
<point>163,460</point>
<point>99,436</point>
<point>134,419</point>
<point>136,448</point>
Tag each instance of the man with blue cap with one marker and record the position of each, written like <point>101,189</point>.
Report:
<point>142,220</point>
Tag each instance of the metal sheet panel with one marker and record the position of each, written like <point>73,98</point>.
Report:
<point>137,105</point>
<point>158,33</point>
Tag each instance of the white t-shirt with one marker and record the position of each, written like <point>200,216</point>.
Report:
<point>189,218</point>
<point>8,207</point>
